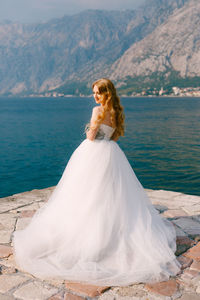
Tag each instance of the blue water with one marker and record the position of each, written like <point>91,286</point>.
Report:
<point>38,136</point>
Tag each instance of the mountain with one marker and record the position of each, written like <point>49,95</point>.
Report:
<point>135,48</point>
<point>171,52</point>
<point>39,57</point>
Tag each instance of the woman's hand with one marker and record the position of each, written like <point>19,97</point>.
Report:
<point>91,134</point>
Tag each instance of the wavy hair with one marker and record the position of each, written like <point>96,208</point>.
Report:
<point>110,102</point>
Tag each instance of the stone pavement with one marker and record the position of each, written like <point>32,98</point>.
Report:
<point>183,211</point>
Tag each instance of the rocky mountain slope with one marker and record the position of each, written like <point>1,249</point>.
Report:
<point>67,54</point>
<point>174,46</point>
<point>43,56</point>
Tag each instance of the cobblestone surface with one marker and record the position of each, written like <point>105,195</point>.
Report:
<point>182,210</point>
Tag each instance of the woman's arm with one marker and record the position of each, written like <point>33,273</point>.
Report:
<point>91,133</point>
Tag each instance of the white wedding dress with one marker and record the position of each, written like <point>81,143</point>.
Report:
<point>98,226</point>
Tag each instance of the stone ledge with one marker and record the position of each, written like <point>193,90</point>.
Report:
<point>183,210</point>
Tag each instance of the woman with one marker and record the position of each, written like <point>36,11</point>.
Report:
<point>99,226</point>
<point>110,112</point>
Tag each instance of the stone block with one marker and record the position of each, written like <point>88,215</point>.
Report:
<point>34,290</point>
<point>33,206</point>
<point>8,282</point>
<point>5,297</point>
<point>195,265</point>
<point>185,261</point>
<point>27,213</point>
<point>183,244</point>
<point>4,206</point>
<point>134,290</point>
<point>188,225</point>
<point>59,283</point>
<point>111,295</point>
<point>185,281</point>
<point>165,203</point>
<point>165,288</point>
<point>56,297</point>
<point>8,270</point>
<point>69,296</point>
<point>184,240</point>
<point>197,238</point>
<point>41,204</point>
<point>8,221</point>
<point>192,210</point>
<point>191,273</point>
<point>194,252</point>
<point>9,262</point>
<point>196,281</point>
<point>179,202</point>
<point>5,251</point>
<point>188,199</point>
<point>43,193</point>
<point>163,194</point>
<point>85,289</point>
<point>197,217</point>
<point>22,223</point>
<point>5,236</point>
<point>174,213</point>
<point>189,296</point>
<point>13,202</point>
<point>179,232</point>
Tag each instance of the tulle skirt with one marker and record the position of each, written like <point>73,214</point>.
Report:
<point>98,226</point>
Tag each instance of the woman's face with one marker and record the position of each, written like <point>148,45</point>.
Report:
<point>97,95</point>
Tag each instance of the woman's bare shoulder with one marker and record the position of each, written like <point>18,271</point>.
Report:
<point>95,113</point>
<point>97,108</point>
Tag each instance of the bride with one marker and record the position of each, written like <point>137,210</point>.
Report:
<point>99,226</point>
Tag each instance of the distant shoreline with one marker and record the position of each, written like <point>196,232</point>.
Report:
<point>90,96</point>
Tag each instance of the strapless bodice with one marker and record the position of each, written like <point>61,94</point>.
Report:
<point>105,132</point>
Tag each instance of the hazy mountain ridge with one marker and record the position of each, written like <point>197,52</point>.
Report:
<point>70,52</point>
<point>43,56</point>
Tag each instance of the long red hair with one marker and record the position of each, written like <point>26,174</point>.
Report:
<point>110,102</point>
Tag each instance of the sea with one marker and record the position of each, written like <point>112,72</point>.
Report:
<point>38,136</point>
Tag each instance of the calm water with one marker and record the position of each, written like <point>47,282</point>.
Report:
<point>38,136</point>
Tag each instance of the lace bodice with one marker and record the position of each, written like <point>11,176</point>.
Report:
<point>105,132</point>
